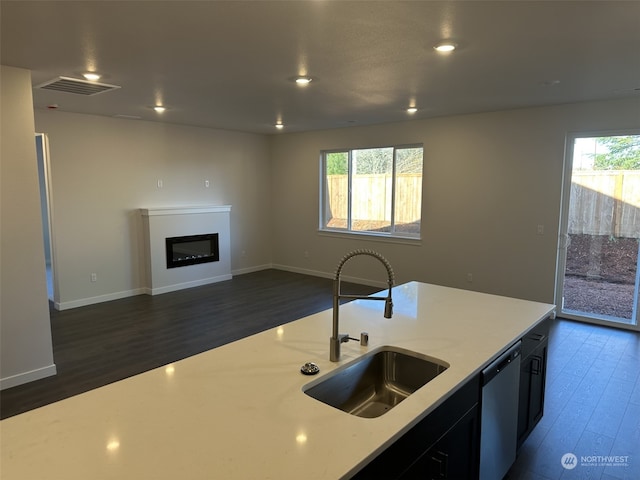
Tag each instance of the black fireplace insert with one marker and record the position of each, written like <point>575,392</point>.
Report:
<point>192,250</point>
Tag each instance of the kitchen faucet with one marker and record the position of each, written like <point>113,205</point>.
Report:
<point>338,338</point>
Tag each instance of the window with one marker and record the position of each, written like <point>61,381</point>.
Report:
<point>377,191</point>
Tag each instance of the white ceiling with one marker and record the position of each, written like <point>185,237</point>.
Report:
<point>229,64</point>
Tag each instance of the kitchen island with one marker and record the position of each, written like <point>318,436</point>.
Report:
<point>239,411</point>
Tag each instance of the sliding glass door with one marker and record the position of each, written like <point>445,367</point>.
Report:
<point>598,250</point>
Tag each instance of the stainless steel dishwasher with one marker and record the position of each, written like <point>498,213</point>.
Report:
<point>499,414</point>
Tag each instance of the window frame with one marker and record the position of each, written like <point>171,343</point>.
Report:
<point>393,235</point>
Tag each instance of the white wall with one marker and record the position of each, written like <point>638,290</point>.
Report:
<point>104,169</point>
<point>25,332</point>
<point>489,180</point>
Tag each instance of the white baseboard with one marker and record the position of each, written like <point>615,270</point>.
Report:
<point>304,271</point>
<point>26,377</point>
<point>242,271</point>
<point>181,286</point>
<point>83,302</point>
<point>185,285</point>
<point>317,273</point>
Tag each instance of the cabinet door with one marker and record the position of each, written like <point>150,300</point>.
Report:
<point>532,388</point>
<point>538,375</point>
<point>454,456</point>
<point>456,418</point>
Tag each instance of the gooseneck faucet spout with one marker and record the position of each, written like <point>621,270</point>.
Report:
<point>338,338</point>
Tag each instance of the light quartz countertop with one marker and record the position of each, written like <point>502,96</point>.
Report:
<point>239,411</point>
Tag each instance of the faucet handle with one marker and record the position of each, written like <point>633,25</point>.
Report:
<point>364,339</point>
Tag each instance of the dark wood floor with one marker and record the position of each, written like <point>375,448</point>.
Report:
<point>100,344</point>
<point>592,406</point>
<point>593,384</point>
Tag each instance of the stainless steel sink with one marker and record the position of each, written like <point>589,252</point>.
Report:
<point>376,382</point>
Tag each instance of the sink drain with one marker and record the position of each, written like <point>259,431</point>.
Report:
<point>310,368</point>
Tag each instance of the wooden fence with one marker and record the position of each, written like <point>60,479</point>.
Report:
<point>602,202</point>
<point>605,203</point>
<point>376,205</point>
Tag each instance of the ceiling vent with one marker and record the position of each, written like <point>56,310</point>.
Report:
<point>77,86</point>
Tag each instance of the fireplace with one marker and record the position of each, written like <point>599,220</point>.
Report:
<point>194,237</point>
<point>192,250</point>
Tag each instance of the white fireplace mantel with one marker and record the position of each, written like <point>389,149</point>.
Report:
<point>161,223</point>
<point>190,210</point>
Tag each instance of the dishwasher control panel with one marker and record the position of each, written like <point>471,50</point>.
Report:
<point>502,362</point>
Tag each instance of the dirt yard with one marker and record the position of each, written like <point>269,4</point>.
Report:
<point>600,275</point>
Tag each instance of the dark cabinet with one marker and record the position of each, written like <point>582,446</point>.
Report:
<point>446,443</point>
<point>442,445</point>
<point>532,379</point>
<point>454,455</point>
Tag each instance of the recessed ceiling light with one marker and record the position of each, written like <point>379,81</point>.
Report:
<point>91,76</point>
<point>412,110</point>
<point>445,47</point>
<point>279,125</point>
<point>159,108</point>
<point>303,80</point>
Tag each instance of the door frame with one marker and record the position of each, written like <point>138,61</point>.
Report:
<point>49,212</point>
<point>563,233</point>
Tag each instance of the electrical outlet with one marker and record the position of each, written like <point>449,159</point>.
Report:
<point>160,183</point>
<point>94,277</point>
<point>469,277</point>
<point>540,230</point>
<point>206,183</point>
